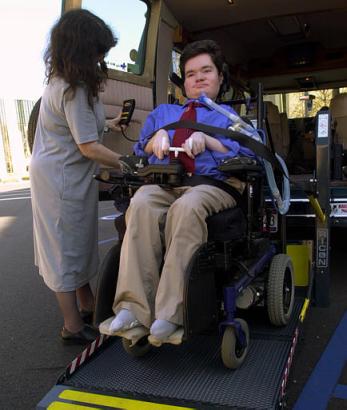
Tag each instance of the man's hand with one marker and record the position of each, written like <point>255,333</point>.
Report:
<point>195,144</point>
<point>160,144</point>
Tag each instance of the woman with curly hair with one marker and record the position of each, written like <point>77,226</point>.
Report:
<point>66,151</point>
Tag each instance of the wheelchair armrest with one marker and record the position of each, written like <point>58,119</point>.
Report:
<point>135,165</point>
<point>169,174</point>
<point>168,169</point>
<point>240,165</point>
<point>130,164</point>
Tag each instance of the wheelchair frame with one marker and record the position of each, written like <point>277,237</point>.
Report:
<point>217,255</point>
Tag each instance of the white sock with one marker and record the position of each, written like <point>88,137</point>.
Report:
<point>123,320</point>
<point>162,329</point>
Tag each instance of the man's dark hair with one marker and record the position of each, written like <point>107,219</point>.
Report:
<point>211,48</point>
<point>78,44</point>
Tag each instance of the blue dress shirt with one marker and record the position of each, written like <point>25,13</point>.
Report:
<point>206,163</point>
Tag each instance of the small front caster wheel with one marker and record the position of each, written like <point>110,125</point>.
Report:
<point>139,349</point>
<point>233,354</point>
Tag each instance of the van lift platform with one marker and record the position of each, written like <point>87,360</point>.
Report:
<point>189,376</point>
<point>192,376</point>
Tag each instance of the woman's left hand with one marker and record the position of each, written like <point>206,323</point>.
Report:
<point>195,144</point>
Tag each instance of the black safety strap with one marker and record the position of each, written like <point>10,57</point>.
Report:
<point>258,148</point>
<point>195,180</point>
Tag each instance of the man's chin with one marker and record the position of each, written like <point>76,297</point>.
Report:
<point>197,94</point>
<point>201,92</point>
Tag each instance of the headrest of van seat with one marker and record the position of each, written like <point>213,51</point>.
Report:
<point>338,106</point>
<point>273,114</point>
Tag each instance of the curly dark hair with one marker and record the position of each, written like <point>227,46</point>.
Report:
<point>78,44</point>
<point>211,48</point>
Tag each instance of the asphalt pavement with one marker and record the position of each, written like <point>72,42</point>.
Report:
<point>31,353</point>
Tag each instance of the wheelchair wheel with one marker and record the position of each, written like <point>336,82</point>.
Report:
<point>106,286</point>
<point>233,354</point>
<point>139,349</point>
<point>280,290</point>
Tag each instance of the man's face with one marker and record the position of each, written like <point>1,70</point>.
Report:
<point>201,75</point>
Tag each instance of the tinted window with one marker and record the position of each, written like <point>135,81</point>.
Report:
<point>127,19</point>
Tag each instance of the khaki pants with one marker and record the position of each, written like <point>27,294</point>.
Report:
<point>159,219</point>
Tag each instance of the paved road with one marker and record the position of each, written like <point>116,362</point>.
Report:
<point>31,354</point>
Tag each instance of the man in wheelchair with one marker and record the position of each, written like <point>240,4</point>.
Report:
<point>174,219</point>
<point>165,227</point>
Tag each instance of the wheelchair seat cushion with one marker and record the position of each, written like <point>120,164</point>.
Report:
<point>227,225</point>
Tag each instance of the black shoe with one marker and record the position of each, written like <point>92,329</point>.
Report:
<point>87,335</point>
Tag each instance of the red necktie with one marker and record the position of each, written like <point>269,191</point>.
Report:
<point>181,134</point>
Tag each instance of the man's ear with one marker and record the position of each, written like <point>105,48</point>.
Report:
<point>221,78</point>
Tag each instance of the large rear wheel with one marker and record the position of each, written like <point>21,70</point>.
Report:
<point>107,283</point>
<point>32,124</point>
<point>280,290</point>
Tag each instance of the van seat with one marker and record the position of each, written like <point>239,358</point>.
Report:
<point>279,137</point>
<point>338,108</point>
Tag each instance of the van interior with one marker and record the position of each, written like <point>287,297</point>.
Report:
<point>296,49</point>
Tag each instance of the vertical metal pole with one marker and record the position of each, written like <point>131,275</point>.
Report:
<point>305,105</point>
<point>322,274</point>
<point>250,195</point>
<point>284,233</point>
<point>260,108</point>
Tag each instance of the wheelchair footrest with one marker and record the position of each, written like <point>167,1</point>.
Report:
<point>174,339</point>
<point>134,334</point>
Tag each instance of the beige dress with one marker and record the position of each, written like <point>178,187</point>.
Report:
<point>64,193</point>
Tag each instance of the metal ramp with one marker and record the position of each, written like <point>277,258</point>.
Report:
<point>192,374</point>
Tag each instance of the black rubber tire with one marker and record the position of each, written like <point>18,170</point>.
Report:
<point>141,348</point>
<point>232,354</point>
<point>107,283</point>
<point>280,290</point>
<point>34,115</point>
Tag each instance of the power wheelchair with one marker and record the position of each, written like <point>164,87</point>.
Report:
<point>242,265</point>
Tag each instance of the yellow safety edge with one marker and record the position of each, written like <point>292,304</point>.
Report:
<point>59,405</point>
<point>304,310</point>
<point>107,401</point>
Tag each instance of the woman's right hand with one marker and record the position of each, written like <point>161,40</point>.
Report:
<point>159,144</point>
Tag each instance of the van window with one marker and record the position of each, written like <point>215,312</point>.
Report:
<point>176,55</point>
<point>278,100</point>
<point>302,104</point>
<point>128,20</point>
<point>306,104</point>
<point>175,93</point>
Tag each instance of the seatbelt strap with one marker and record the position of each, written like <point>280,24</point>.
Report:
<point>258,148</point>
<point>195,180</point>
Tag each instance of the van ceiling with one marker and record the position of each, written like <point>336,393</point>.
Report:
<point>266,38</point>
